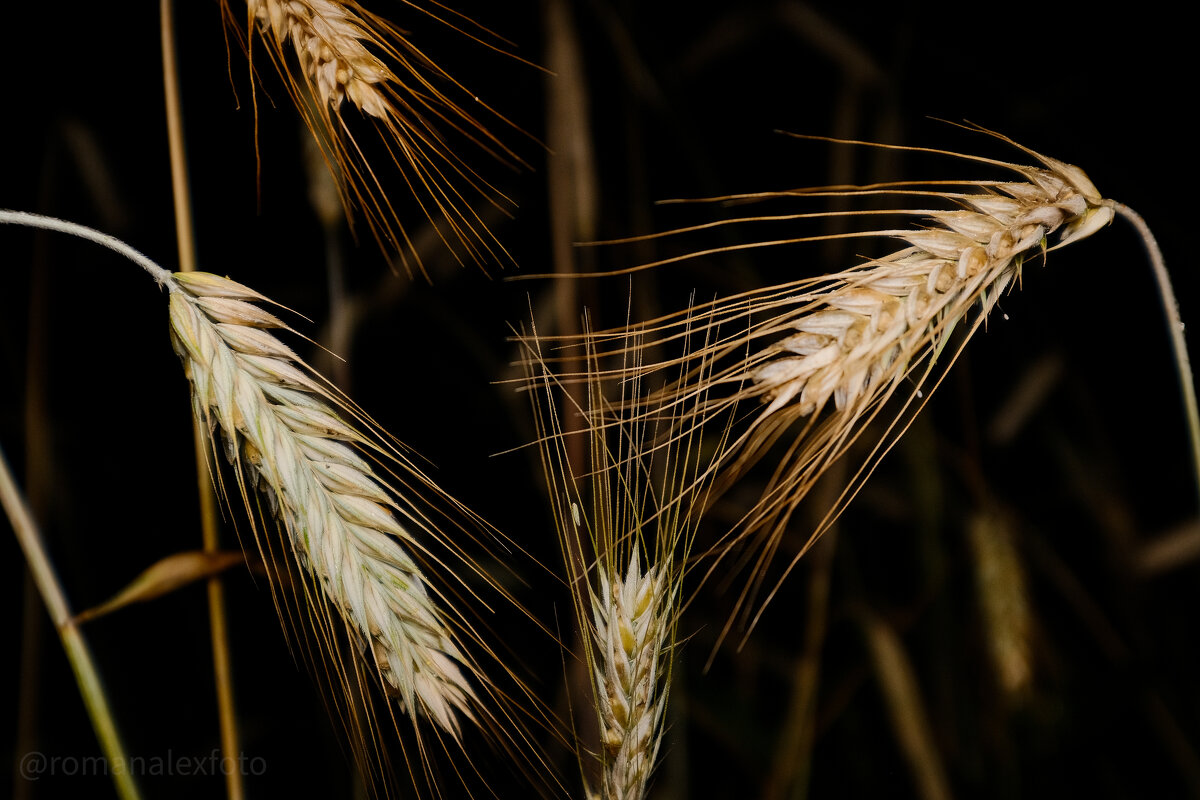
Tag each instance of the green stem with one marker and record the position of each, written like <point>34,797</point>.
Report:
<point>73,642</point>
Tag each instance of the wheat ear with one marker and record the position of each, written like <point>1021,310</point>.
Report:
<point>282,427</point>
<point>346,53</point>
<point>830,351</point>
<point>626,523</point>
<point>356,545</point>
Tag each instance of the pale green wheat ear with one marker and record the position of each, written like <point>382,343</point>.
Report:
<point>349,572</point>
<point>284,431</point>
<point>809,363</point>
<point>336,54</point>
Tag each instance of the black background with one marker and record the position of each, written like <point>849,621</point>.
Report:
<point>685,101</point>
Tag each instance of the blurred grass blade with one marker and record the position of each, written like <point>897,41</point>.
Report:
<point>905,706</point>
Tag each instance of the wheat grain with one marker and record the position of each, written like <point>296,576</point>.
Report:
<point>282,428</point>
<point>345,52</point>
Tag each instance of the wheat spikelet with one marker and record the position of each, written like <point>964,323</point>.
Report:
<point>340,51</point>
<point>280,425</point>
<point>862,332</point>
<point>829,352</point>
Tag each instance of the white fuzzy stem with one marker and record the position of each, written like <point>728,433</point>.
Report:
<point>30,220</point>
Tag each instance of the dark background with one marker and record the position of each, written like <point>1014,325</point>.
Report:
<point>684,100</point>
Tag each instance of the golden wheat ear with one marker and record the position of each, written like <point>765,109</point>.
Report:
<point>626,519</point>
<point>334,55</point>
<point>807,365</point>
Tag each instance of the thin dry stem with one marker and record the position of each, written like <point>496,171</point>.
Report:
<point>1183,364</point>
<point>906,707</point>
<point>235,788</point>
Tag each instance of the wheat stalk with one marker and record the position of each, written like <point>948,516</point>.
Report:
<point>340,51</point>
<point>75,645</point>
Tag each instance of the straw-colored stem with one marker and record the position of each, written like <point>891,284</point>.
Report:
<point>905,707</point>
<point>185,237</point>
<point>1175,325</point>
<point>73,642</point>
<point>179,183</point>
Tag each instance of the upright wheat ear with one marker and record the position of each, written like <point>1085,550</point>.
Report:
<point>281,427</point>
<point>626,523</point>
<point>344,52</point>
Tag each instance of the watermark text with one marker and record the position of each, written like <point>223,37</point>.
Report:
<point>35,765</point>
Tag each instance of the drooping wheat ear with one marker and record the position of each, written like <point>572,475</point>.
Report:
<point>363,563</point>
<point>283,430</point>
<point>345,52</point>
<point>830,351</point>
<point>632,616</point>
<point>636,501</point>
